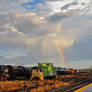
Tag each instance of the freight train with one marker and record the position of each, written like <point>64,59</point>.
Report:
<point>41,71</point>
<point>8,72</point>
<point>63,71</point>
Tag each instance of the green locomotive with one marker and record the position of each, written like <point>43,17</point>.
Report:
<point>44,70</point>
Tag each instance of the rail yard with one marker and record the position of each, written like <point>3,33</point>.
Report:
<point>42,78</point>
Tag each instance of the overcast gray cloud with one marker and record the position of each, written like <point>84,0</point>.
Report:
<point>36,36</point>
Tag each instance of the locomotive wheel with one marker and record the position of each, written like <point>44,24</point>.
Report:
<point>1,78</point>
<point>5,77</point>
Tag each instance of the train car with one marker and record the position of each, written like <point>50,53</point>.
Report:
<point>73,71</point>
<point>8,72</point>
<point>21,73</point>
<point>44,70</point>
<point>63,71</point>
<point>41,71</point>
<point>3,72</point>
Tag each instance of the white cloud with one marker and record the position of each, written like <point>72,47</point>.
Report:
<point>16,37</point>
<point>38,34</point>
<point>56,6</point>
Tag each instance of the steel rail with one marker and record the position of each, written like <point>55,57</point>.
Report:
<point>72,87</point>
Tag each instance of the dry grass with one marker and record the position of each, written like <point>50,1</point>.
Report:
<point>47,87</point>
<point>43,85</point>
<point>13,85</point>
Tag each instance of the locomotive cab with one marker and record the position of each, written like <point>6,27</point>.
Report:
<point>37,73</point>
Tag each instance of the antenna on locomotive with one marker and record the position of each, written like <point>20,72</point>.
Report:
<point>38,63</point>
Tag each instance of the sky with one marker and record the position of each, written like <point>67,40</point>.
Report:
<point>31,31</point>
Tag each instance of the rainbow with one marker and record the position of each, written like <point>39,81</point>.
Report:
<point>62,54</point>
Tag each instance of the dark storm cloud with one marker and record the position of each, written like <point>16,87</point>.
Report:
<point>34,26</point>
<point>81,50</point>
<point>69,5</point>
<point>57,17</point>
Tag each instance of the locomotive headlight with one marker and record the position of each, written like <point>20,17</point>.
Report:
<point>41,78</point>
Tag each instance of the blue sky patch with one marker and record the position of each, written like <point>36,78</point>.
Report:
<point>32,5</point>
<point>12,52</point>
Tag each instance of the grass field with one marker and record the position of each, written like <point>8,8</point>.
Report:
<point>43,85</point>
<point>38,85</point>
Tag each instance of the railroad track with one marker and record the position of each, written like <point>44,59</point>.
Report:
<point>69,88</point>
<point>73,86</point>
<point>80,82</point>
